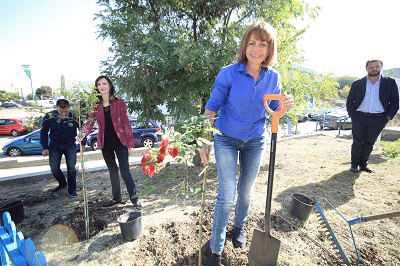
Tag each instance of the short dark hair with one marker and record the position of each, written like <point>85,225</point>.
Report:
<point>265,32</point>
<point>373,60</point>
<point>62,103</point>
<point>112,89</point>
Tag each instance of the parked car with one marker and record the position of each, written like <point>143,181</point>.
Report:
<point>10,105</point>
<point>335,119</point>
<point>302,117</point>
<point>25,145</point>
<point>315,114</point>
<point>13,126</point>
<point>144,134</point>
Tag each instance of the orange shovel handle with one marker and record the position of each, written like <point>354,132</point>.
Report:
<point>275,114</point>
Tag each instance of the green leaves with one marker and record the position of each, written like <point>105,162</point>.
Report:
<point>168,53</point>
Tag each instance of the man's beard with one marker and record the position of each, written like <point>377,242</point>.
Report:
<point>374,74</point>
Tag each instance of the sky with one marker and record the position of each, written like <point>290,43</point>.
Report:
<point>58,37</point>
<point>54,37</point>
<point>349,32</point>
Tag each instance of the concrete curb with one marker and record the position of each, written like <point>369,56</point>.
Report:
<point>32,174</point>
<point>38,168</point>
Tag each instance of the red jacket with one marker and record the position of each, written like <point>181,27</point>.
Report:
<point>120,120</point>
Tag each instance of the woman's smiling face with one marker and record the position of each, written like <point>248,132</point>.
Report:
<point>257,50</point>
<point>103,86</point>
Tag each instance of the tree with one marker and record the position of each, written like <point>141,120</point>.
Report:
<point>344,81</point>
<point>29,97</point>
<point>345,91</point>
<point>169,52</point>
<point>8,96</point>
<point>44,93</point>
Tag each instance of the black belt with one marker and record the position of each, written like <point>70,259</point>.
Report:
<point>58,142</point>
<point>373,114</point>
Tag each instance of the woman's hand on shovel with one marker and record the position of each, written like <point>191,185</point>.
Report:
<point>287,101</point>
<point>205,150</point>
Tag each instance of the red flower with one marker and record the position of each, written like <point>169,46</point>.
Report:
<point>144,159</point>
<point>152,169</point>
<point>165,143</point>
<point>163,150</point>
<point>160,159</point>
<point>174,152</point>
<point>145,168</point>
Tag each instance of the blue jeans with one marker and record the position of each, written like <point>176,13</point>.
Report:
<point>122,154</point>
<point>56,151</point>
<point>227,150</point>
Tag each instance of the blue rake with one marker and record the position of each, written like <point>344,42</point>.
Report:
<point>350,223</point>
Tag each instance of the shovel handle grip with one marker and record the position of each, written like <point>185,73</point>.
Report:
<point>275,114</point>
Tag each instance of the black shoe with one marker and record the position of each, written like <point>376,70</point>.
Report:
<point>73,194</point>
<point>354,168</point>
<point>111,203</point>
<point>59,188</point>
<point>238,237</point>
<point>136,204</point>
<point>214,259</point>
<point>366,169</point>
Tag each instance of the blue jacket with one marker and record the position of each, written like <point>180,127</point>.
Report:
<point>388,95</point>
<point>62,130</point>
<point>240,100</point>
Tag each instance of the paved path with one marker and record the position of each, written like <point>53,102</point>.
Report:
<point>30,168</point>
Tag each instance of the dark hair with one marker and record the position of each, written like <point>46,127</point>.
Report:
<point>265,32</point>
<point>373,60</point>
<point>62,103</point>
<point>112,89</point>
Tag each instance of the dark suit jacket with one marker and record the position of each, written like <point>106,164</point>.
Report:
<point>388,95</point>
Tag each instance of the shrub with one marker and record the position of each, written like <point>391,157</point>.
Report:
<point>392,149</point>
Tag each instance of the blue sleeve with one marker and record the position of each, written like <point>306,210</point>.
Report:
<point>273,105</point>
<point>220,92</point>
<point>44,132</point>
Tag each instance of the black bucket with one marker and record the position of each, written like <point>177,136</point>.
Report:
<point>301,206</point>
<point>16,210</point>
<point>131,225</point>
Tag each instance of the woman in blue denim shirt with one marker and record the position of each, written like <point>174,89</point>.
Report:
<point>238,96</point>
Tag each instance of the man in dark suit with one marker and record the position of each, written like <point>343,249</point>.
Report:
<point>372,102</point>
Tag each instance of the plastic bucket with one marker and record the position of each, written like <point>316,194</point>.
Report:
<point>131,225</point>
<point>16,210</point>
<point>301,206</point>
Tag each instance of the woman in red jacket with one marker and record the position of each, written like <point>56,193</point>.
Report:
<point>114,139</point>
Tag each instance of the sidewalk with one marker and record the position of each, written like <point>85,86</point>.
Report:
<point>31,168</point>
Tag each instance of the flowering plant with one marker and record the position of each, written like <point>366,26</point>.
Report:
<point>153,160</point>
<point>180,144</point>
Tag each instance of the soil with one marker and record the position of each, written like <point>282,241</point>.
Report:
<point>314,166</point>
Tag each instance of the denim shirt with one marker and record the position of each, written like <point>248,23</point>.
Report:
<point>62,131</point>
<point>240,100</point>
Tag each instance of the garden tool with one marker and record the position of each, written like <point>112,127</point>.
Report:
<point>361,219</point>
<point>264,248</point>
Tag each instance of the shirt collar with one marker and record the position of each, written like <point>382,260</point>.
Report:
<point>242,68</point>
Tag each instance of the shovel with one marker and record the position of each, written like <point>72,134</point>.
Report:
<point>264,248</point>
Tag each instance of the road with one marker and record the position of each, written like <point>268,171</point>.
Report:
<point>301,128</point>
<point>3,141</point>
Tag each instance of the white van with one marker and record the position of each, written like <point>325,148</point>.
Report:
<point>46,103</point>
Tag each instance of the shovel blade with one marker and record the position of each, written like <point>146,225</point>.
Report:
<point>264,249</point>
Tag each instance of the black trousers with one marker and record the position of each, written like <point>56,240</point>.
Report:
<point>121,152</point>
<point>365,129</point>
